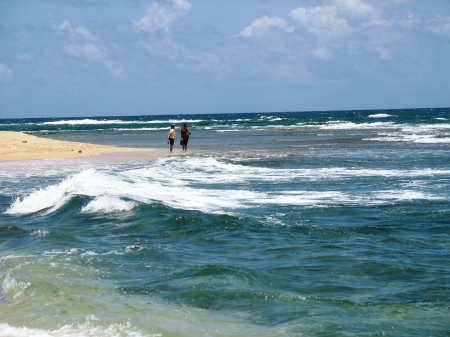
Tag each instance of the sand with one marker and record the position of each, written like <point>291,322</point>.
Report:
<point>21,146</point>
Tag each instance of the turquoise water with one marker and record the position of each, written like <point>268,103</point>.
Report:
<point>274,224</point>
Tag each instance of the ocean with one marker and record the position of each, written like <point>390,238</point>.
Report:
<point>326,223</point>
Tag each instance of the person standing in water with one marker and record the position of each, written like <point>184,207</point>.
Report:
<point>184,137</point>
<point>171,137</point>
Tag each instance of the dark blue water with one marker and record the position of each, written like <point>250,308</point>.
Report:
<point>276,224</point>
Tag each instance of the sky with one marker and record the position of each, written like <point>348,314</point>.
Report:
<point>76,58</point>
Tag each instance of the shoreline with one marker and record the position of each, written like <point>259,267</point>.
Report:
<point>22,146</point>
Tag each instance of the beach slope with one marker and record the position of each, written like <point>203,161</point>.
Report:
<point>21,146</point>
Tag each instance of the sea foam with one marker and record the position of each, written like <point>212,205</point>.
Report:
<point>12,287</point>
<point>207,185</point>
<point>88,121</point>
<point>379,116</point>
<point>106,204</point>
<point>75,330</point>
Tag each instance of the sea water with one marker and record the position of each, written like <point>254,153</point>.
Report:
<point>329,223</point>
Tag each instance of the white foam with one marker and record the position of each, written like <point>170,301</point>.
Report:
<point>40,232</point>
<point>308,198</point>
<point>87,329</point>
<point>421,134</point>
<point>129,249</point>
<point>412,139</point>
<point>12,287</point>
<point>203,184</point>
<point>88,121</point>
<point>406,195</point>
<point>70,251</point>
<point>271,118</point>
<point>50,198</point>
<point>380,116</point>
<point>229,130</point>
<point>430,140</point>
<point>339,125</point>
<point>106,204</point>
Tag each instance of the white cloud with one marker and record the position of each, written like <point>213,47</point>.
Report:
<point>88,51</point>
<point>92,53</point>
<point>356,9</point>
<point>161,16</point>
<point>114,71</point>
<point>323,53</point>
<point>6,74</point>
<point>263,25</point>
<point>65,26</point>
<point>166,48</point>
<point>22,35</point>
<point>441,25</point>
<point>384,53</point>
<point>85,34</point>
<point>411,21</point>
<point>323,21</point>
<point>378,24</point>
<point>79,33</point>
<point>82,47</point>
<point>181,5</point>
<point>342,27</point>
<point>181,57</point>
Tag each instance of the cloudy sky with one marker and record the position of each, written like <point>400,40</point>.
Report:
<point>63,58</point>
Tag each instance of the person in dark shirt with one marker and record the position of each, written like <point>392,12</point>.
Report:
<point>184,137</point>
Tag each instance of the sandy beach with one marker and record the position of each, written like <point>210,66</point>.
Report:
<point>21,146</point>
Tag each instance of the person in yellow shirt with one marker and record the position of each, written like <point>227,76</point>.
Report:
<point>171,137</point>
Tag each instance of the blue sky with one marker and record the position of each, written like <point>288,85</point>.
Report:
<point>61,58</point>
